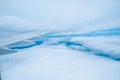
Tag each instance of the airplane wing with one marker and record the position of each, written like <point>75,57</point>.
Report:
<point>25,40</point>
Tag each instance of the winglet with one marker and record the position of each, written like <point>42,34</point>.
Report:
<point>53,27</point>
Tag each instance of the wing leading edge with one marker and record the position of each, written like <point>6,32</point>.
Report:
<point>25,40</point>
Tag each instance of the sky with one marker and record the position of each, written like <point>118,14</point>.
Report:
<point>81,15</point>
<point>74,14</point>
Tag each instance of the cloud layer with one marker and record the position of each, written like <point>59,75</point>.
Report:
<point>66,14</point>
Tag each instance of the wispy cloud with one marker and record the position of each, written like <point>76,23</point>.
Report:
<point>18,24</point>
<point>66,14</point>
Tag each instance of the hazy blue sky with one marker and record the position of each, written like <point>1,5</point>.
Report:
<point>61,12</point>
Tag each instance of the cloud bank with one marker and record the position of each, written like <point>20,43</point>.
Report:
<point>69,14</point>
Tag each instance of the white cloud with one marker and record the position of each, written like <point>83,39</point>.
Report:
<point>57,63</point>
<point>66,14</point>
<point>17,23</point>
